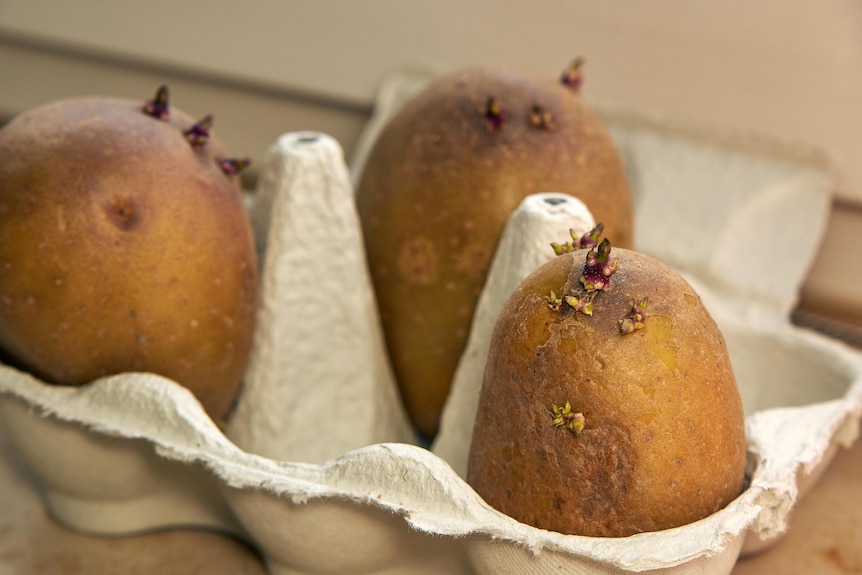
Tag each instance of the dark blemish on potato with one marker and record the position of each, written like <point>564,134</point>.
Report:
<point>836,558</point>
<point>122,212</point>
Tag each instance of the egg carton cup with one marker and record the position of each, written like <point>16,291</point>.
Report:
<point>319,468</point>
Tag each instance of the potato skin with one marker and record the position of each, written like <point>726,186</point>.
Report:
<point>664,439</point>
<point>123,249</point>
<point>435,195</point>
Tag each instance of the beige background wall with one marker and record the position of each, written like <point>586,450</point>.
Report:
<point>788,68</point>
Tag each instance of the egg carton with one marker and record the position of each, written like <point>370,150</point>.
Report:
<point>319,468</point>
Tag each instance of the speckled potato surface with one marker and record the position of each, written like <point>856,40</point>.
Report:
<point>437,189</point>
<point>663,442</point>
<point>122,248</point>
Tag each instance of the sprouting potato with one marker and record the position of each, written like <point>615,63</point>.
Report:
<point>445,174</point>
<point>124,246</point>
<point>609,405</point>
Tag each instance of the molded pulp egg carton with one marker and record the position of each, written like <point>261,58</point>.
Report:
<point>318,467</point>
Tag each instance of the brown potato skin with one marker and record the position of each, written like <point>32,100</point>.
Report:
<point>664,440</point>
<point>123,249</point>
<point>435,195</point>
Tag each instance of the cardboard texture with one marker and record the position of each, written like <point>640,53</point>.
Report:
<point>316,468</point>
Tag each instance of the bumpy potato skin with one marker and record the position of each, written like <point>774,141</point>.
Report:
<point>123,249</point>
<point>664,440</point>
<point>437,190</point>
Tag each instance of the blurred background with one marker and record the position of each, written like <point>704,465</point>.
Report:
<point>788,69</point>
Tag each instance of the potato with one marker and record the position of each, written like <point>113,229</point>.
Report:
<point>610,424</point>
<point>443,177</point>
<point>124,246</point>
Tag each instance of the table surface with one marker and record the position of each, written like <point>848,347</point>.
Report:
<point>825,535</point>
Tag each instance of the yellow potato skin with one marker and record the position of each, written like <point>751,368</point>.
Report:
<point>663,443</point>
<point>435,194</point>
<point>123,249</point>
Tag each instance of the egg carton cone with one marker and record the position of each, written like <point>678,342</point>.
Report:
<point>318,467</point>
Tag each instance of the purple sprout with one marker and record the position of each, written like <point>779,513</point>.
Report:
<point>233,166</point>
<point>599,267</point>
<point>495,116</point>
<point>158,107</point>
<point>541,118</point>
<point>199,134</point>
<point>635,319</point>
<point>573,76</point>
<point>588,240</point>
